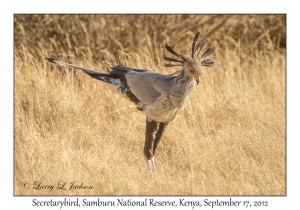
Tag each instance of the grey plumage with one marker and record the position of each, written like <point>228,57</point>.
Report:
<point>160,97</point>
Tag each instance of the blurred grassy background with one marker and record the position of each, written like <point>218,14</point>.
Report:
<point>230,140</point>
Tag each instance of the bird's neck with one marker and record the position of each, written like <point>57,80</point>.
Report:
<point>185,80</point>
<point>183,88</point>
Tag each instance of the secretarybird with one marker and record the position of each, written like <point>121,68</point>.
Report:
<point>160,97</point>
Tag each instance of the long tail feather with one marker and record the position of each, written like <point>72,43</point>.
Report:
<point>92,73</point>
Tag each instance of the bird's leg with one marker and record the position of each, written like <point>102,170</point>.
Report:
<point>151,129</point>
<point>151,165</point>
<point>161,129</point>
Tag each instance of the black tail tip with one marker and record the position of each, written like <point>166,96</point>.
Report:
<point>50,59</point>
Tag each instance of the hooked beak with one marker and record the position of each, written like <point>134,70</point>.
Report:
<point>197,78</point>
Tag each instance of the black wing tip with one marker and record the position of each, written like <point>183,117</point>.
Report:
<point>52,60</point>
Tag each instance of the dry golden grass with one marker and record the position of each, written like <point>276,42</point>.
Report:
<point>230,140</point>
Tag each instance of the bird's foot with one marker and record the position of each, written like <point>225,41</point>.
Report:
<point>151,165</point>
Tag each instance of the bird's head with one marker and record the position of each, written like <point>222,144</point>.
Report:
<point>192,67</point>
<point>192,64</point>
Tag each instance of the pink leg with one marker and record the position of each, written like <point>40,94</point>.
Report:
<point>151,165</point>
